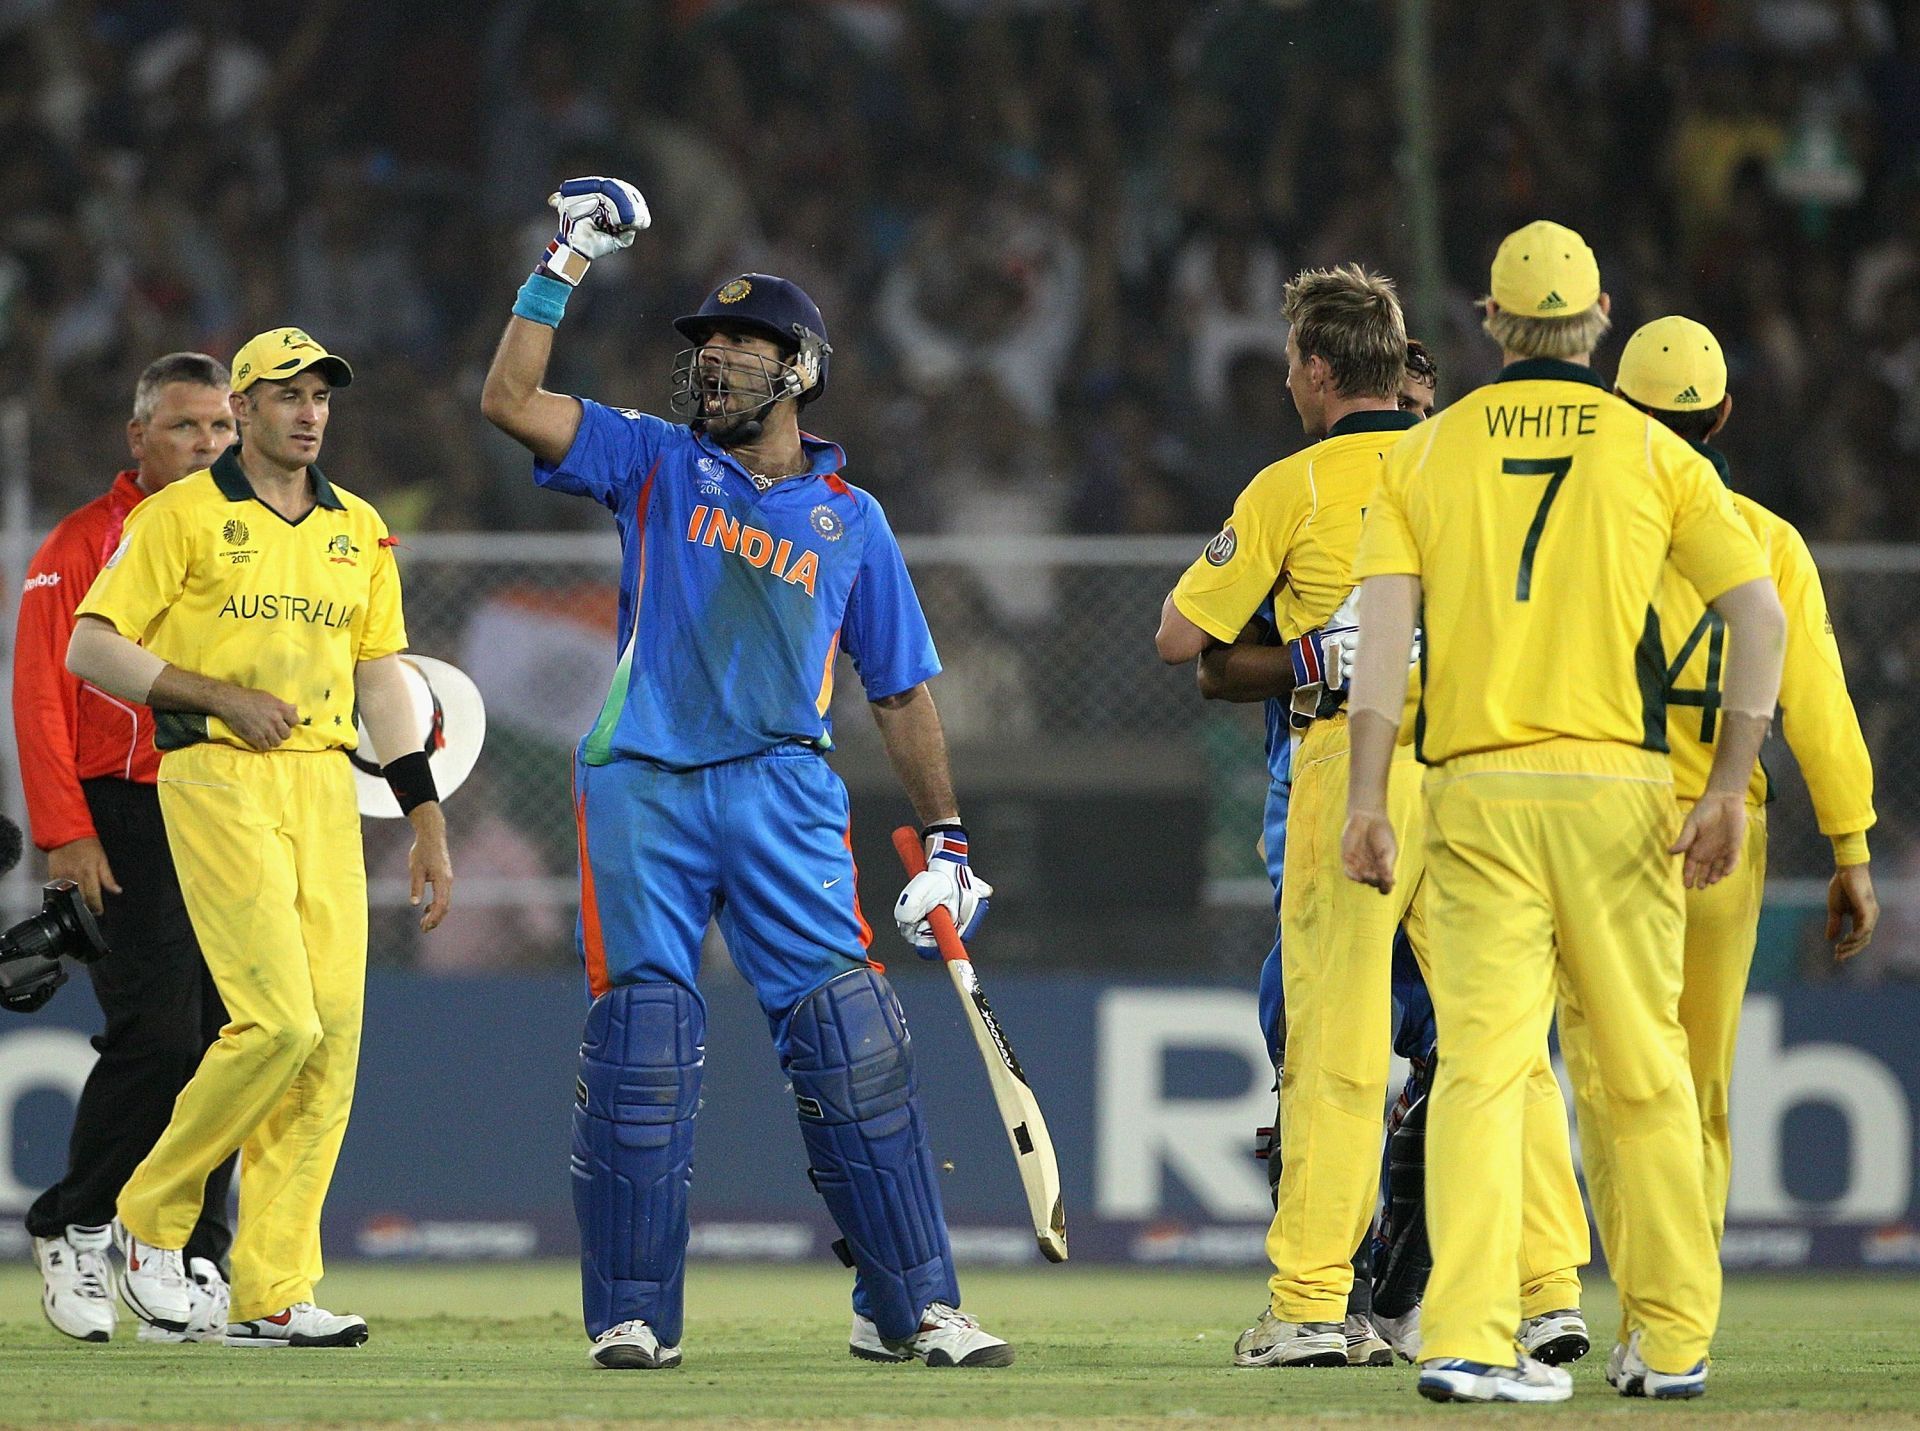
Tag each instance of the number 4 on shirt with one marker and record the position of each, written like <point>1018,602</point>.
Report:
<point>1555,469</point>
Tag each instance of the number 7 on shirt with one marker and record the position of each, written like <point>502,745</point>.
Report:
<point>1019,1109</point>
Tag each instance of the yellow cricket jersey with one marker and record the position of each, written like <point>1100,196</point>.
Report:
<point>1818,716</point>
<point>211,579</point>
<point>1538,513</point>
<point>1293,534</point>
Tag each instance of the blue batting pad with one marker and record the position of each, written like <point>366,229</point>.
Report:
<point>632,1162</point>
<point>1415,1032</point>
<point>846,1049</point>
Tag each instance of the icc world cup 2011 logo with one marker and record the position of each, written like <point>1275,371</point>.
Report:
<point>235,533</point>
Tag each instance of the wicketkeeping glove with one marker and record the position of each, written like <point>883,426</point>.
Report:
<point>597,216</point>
<point>947,881</point>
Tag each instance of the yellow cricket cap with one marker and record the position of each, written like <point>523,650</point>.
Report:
<point>1673,364</point>
<point>1545,270</point>
<point>280,353</point>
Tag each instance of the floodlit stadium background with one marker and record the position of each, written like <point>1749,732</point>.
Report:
<point>1049,238</point>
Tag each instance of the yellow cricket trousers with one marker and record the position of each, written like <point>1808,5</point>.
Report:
<point>1336,961</point>
<point>268,850</point>
<point>1547,870</point>
<point>1723,923</point>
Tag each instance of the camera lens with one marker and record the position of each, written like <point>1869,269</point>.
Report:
<point>64,925</point>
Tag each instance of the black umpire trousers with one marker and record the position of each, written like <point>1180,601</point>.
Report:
<point>162,1011</point>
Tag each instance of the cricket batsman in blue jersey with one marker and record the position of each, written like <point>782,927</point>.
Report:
<point>749,563</point>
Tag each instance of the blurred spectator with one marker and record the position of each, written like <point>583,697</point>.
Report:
<point>1228,283</point>
<point>989,289</point>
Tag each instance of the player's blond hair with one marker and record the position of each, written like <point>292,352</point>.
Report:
<point>1350,316</point>
<point>1547,337</point>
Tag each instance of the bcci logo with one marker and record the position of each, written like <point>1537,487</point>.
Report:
<point>1220,550</point>
<point>733,292</point>
<point>341,551</point>
<point>827,523</point>
<point>235,533</point>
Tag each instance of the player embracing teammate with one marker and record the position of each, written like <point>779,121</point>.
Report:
<point>1572,579</point>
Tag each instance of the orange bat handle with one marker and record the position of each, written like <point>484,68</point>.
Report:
<point>906,842</point>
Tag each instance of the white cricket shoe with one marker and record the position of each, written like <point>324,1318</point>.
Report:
<point>947,1337</point>
<point>210,1298</point>
<point>1617,1365</point>
<point>1452,1379</point>
<point>76,1282</point>
<point>1402,1333</point>
<point>154,1283</point>
<point>1364,1347</point>
<point>864,1342</point>
<point>632,1346</point>
<point>1272,1342</point>
<point>301,1325</point>
<point>1636,1378</point>
<point>1555,1338</point>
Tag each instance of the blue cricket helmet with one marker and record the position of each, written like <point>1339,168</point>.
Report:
<point>776,308</point>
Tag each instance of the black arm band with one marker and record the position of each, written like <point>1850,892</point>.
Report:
<point>411,780</point>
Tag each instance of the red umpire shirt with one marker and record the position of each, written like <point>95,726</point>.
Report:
<point>68,731</point>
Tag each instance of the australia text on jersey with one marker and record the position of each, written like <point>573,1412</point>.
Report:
<point>281,606</point>
<point>754,546</point>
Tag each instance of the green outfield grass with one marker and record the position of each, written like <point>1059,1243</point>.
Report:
<point>502,1344</point>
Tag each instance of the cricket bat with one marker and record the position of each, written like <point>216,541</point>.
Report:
<point>1019,1109</point>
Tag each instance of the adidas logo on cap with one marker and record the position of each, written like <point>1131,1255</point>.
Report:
<point>1552,301</point>
<point>1691,394</point>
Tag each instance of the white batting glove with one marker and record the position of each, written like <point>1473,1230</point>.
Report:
<point>597,216</point>
<point>1324,657</point>
<point>947,882</point>
<point>1327,654</point>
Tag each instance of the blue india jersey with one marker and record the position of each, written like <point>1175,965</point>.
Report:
<point>734,602</point>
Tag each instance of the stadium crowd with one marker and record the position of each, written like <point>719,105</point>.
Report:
<point>1049,236</point>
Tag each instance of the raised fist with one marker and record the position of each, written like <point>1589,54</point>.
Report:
<point>597,216</point>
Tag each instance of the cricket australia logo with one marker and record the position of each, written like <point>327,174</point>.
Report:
<point>826,521</point>
<point>341,551</point>
<point>1220,550</point>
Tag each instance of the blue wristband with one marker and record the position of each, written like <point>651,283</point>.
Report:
<point>542,299</point>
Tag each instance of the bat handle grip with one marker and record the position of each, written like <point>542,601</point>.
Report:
<point>906,843</point>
